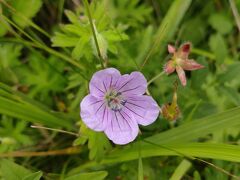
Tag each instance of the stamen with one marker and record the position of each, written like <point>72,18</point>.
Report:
<point>115,100</point>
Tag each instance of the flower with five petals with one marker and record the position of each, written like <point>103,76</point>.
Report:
<point>180,62</point>
<point>116,105</point>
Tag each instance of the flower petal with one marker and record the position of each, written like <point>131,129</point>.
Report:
<point>184,50</point>
<point>94,113</point>
<point>122,128</point>
<point>171,49</point>
<point>144,109</point>
<point>191,65</point>
<point>132,84</point>
<point>169,67</point>
<point>181,75</point>
<point>102,80</point>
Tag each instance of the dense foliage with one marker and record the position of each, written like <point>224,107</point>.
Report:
<point>48,54</point>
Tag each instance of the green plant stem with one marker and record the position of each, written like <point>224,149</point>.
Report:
<point>155,77</point>
<point>41,46</point>
<point>203,53</point>
<point>101,59</point>
<point>67,151</point>
<point>60,10</point>
<point>235,13</point>
<point>35,26</point>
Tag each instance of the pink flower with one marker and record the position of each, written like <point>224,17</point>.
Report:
<point>180,62</point>
<point>116,105</point>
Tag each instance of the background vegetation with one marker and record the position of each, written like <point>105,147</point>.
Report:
<point>48,55</point>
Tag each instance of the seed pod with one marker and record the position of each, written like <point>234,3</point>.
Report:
<point>171,111</point>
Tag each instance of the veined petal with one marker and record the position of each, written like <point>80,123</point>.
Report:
<point>132,84</point>
<point>171,49</point>
<point>94,113</point>
<point>169,67</point>
<point>144,109</point>
<point>181,75</point>
<point>102,80</point>
<point>191,65</point>
<point>122,128</point>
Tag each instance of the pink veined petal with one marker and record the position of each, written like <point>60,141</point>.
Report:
<point>102,80</point>
<point>191,65</point>
<point>122,128</point>
<point>94,113</point>
<point>132,84</point>
<point>171,49</point>
<point>184,50</point>
<point>144,109</point>
<point>169,67</point>
<point>181,75</point>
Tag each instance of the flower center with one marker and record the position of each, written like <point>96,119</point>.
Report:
<point>115,100</point>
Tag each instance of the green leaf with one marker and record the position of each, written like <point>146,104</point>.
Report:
<point>4,25</point>
<point>62,40</point>
<point>34,176</point>
<point>221,23</point>
<point>27,8</point>
<point>189,150</point>
<point>17,107</point>
<point>80,47</point>
<point>218,47</point>
<point>177,139</point>
<point>230,73</point>
<point>180,171</point>
<point>13,171</point>
<point>98,144</point>
<point>9,55</point>
<point>191,33</point>
<point>199,128</point>
<point>231,94</point>
<point>132,13</point>
<point>202,150</point>
<point>40,82</point>
<point>171,22</point>
<point>99,175</point>
<point>12,134</point>
<point>78,34</point>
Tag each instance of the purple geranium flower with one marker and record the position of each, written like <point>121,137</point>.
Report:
<point>116,105</point>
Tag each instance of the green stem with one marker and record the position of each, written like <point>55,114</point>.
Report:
<point>60,10</point>
<point>155,77</point>
<point>35,26</point>
<point>235,13</point>
<point>101,60</point>
<point>203,53</point>
<point>42,46</point>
